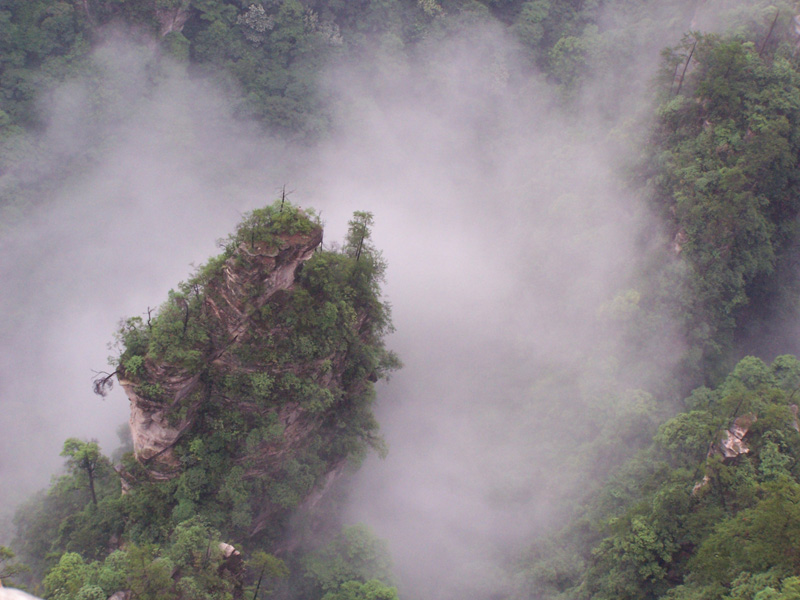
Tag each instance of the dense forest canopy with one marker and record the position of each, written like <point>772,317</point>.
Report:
<point>627,429</point>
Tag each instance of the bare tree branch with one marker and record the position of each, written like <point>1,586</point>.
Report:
<point>104,382</point>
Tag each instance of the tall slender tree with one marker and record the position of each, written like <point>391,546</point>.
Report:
<point>84,456</point>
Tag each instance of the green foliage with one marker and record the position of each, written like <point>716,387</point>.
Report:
<point>268,571</point>
<point>85,457</point>
<point>726,177</point>
<point>756,540</point>
<point>40,39</point>
<point>368,590</point>
<point>688,436</point>
<point>273,52</point>
<point>78,514</point>
<point>682,520</point>
<point>355,555</point>
<point>640,557</point>
<point>112,574</point>
<point>188,565</point>
<point>149,575</point>
<point>9,567</point>
<point>358,235</point>
<point>262,226</point>
<point>65,580</point>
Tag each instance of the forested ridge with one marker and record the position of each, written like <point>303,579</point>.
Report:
<point>259,370</point>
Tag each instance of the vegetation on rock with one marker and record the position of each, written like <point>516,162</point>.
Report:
<point>260,369</point>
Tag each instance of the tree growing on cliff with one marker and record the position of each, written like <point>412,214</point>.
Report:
<point>85,457</point>
<point>358,234</point>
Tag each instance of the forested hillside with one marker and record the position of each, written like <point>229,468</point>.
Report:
<point>629,429</point>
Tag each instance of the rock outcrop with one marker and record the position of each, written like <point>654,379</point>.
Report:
<point>230,302</point>
<point>731,446</point>
<point>233,561</point>
<point>255,378</point>
<point>173,19</point>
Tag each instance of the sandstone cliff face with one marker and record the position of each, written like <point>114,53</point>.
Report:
<point>153,434</point>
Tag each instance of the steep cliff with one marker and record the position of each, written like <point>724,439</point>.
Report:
<point>251,387</point>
